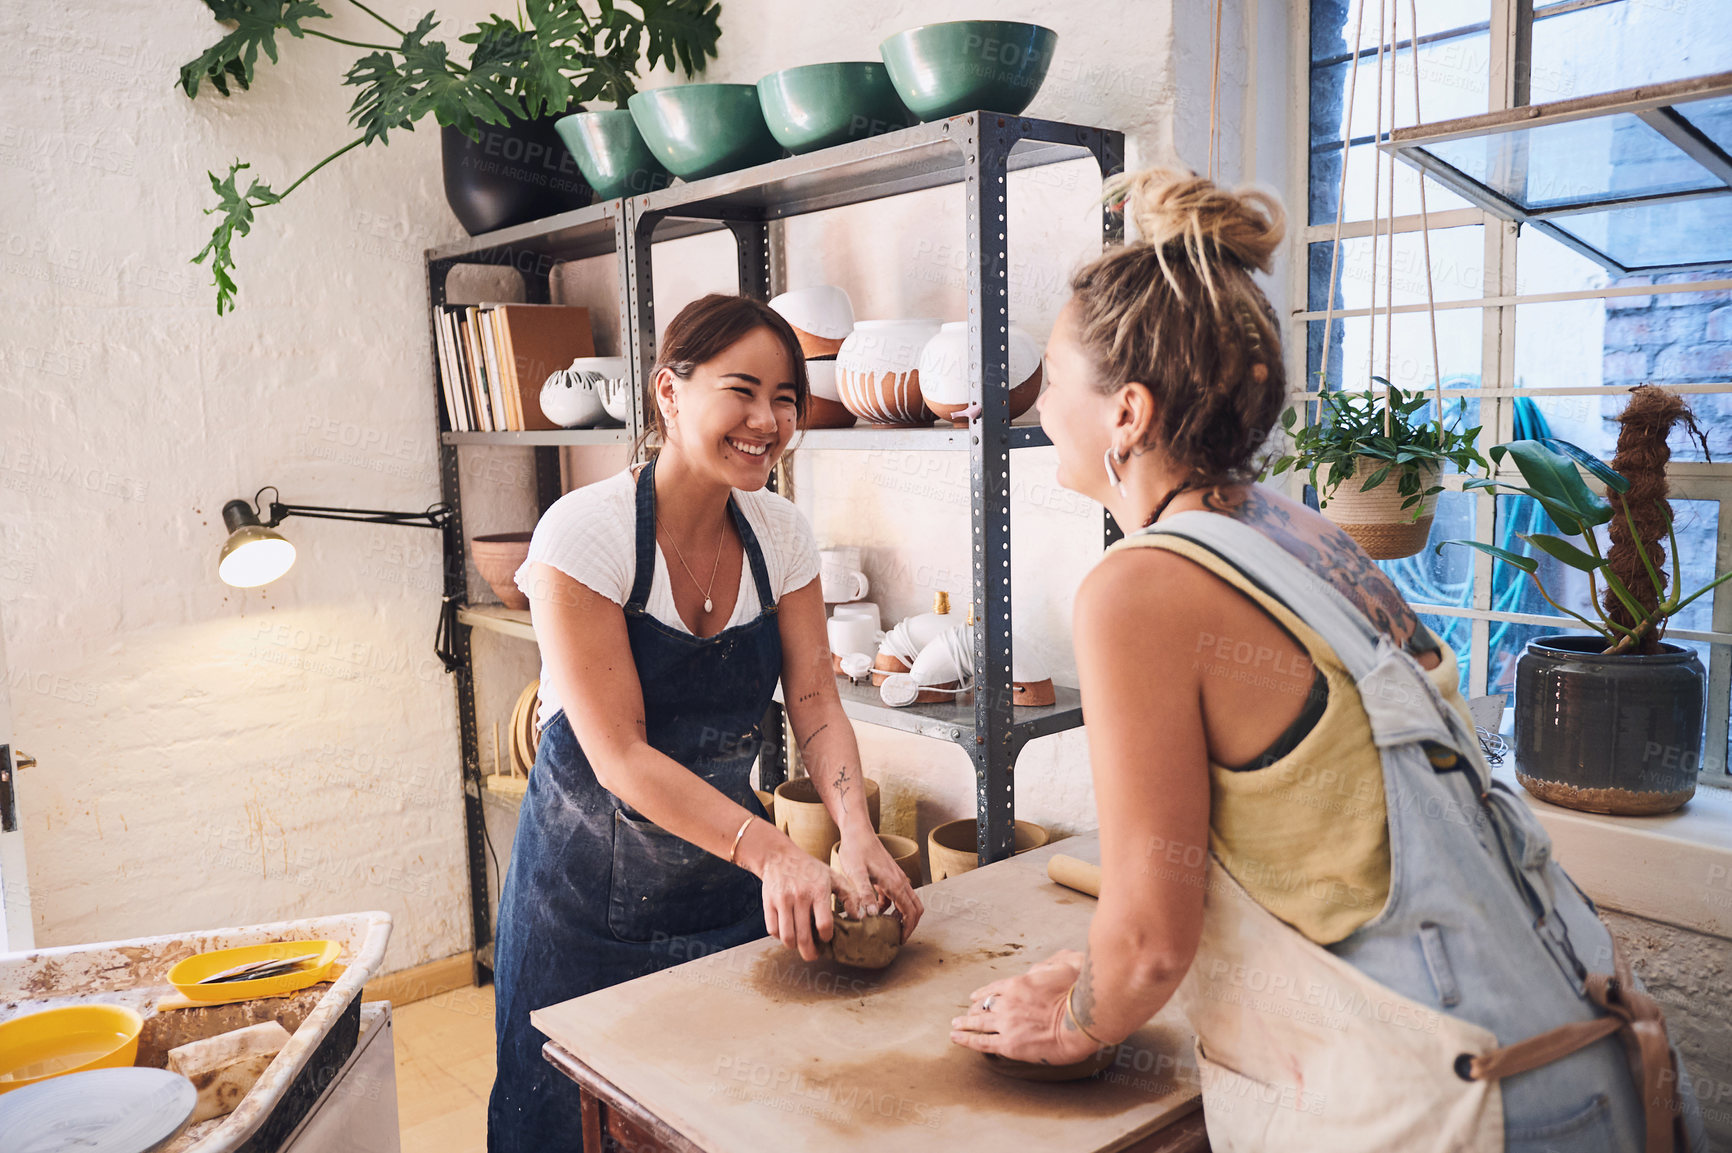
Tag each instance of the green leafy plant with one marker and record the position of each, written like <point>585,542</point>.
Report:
<point>553,55</point>
<point>1549,469</point>
<point>1379,427</point>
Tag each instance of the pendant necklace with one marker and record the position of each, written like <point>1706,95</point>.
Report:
<point>708,604</point>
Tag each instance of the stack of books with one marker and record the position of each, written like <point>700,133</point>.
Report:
<point>494,358</point>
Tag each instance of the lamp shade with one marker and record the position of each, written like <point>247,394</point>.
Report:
<point>253,555</point>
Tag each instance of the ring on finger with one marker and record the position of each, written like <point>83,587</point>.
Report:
<point>986,1005</point>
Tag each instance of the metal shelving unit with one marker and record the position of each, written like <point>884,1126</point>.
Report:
<point>976,151</point>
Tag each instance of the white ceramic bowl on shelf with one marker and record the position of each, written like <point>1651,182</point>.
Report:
<point>878,371</point>
<point>824,408</point>
<point>822,317</point>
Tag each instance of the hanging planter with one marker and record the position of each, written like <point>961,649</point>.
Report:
<point>1376,470</point>
<point>1381,518</point>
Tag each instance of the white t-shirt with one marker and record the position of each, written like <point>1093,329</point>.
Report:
<point>590,535</point>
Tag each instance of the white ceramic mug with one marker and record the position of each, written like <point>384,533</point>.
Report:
<point>852,635</point>
<point>840,576</point>
<point>862,610</point>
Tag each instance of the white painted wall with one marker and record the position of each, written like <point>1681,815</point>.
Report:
<point>212,757</point>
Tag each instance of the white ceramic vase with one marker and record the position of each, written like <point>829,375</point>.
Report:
<point>878,371</point>
<point>572,397</point>
<point>822,317</point>
<point>943,370</point>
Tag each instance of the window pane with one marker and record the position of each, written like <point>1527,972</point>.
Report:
<point>1693,231</point>
<point>1620,45</point>
<point>1713,118</point>
<point>1457,268</point>
<point>1332,22</point>
<point>1454,80</point>
<point>1326,186</point>
<point>1576,162</point>
<point>1622,341</point>
<point>1351,365</point>
<point>1546,264</point>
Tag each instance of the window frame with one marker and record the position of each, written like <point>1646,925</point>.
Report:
<point>1510,29</point>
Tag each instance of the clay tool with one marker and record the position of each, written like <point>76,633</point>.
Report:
<point>1074,874</point>
<point>257,970</point>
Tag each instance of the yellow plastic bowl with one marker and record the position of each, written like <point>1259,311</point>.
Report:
<point>187,975</point>
<point>69,1039</point>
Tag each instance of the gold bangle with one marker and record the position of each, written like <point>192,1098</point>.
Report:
<point>1070,1015</point>
<point>735,851</point>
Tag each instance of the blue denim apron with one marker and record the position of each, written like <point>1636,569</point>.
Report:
<point>595,894</point>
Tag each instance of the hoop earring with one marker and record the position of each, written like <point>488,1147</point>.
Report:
<point>1113,477</point>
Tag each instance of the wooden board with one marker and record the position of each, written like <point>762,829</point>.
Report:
<point>754,1049</point>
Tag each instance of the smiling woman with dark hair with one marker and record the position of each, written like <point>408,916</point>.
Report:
<point>668,600</point>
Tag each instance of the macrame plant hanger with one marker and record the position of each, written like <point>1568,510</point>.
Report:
<point>1375,518</point>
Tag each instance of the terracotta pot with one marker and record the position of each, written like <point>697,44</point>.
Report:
<point>1030,683</point>
<point>944,372</point>
<point>801,814</point>
<point>878,374</point>
<point>768,800</point>
<point>951,848</point>
<point>905,851</point>
<point>1375,519</point>
<point>497,558</point>
<point>824,407</point>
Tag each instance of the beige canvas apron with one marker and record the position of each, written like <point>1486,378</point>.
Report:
<point>1284,1016</point>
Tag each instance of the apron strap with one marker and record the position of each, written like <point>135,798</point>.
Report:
<point>1640,1022</point>
<point>646,546</point>
<point>754,556</point>
<point>646,541</point>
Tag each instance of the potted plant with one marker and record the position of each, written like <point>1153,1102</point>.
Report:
<point>504,163</point>
<point>1376,467</point>
<point>1610,721</point>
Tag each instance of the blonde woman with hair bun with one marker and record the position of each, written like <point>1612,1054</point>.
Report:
<point>1300,840</point>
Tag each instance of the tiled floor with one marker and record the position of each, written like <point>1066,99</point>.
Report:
<point>445,1071</point>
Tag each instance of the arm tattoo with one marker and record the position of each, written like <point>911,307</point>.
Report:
<point>1331,554</point>
<point>813,735</point>
<point>841,784</point>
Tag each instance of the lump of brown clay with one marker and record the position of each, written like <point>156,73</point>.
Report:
<point>869,943</point>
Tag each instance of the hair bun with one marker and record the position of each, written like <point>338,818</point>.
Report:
<point>1174,206</point>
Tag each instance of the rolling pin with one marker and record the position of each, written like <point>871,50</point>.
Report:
<point>1074,874</point>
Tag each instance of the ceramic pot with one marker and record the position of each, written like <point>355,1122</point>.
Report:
<point>857,610</point>
<point>801,814</point>
<point>497,558</point>
<point>821,316</point>
<point>1030,682</point>
<point>944,372</point>
<point>616,398</point>
<point>852,635</point>
<point>819,105</point>
<point>572,397</point>
<point>1375,519</point>
<point>1608,734</point>
<point>516,172</point>
<point>611,153</point>
<point>905,851</point>
<point>824,407</point>
<point>768,800</point>
<point>699,130</point>
<point>878,371</point>
<point>943,70</point>
<point>951,847</point>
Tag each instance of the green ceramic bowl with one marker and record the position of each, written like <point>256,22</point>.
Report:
<point>941,70</point>
<point>611,153</point>
<point>699,130</point>
<point>818,105</point>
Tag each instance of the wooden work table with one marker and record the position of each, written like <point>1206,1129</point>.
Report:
<point>753,1049</point>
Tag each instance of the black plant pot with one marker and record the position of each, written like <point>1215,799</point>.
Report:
<point>516,172</point>
<point>1608,734</point>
